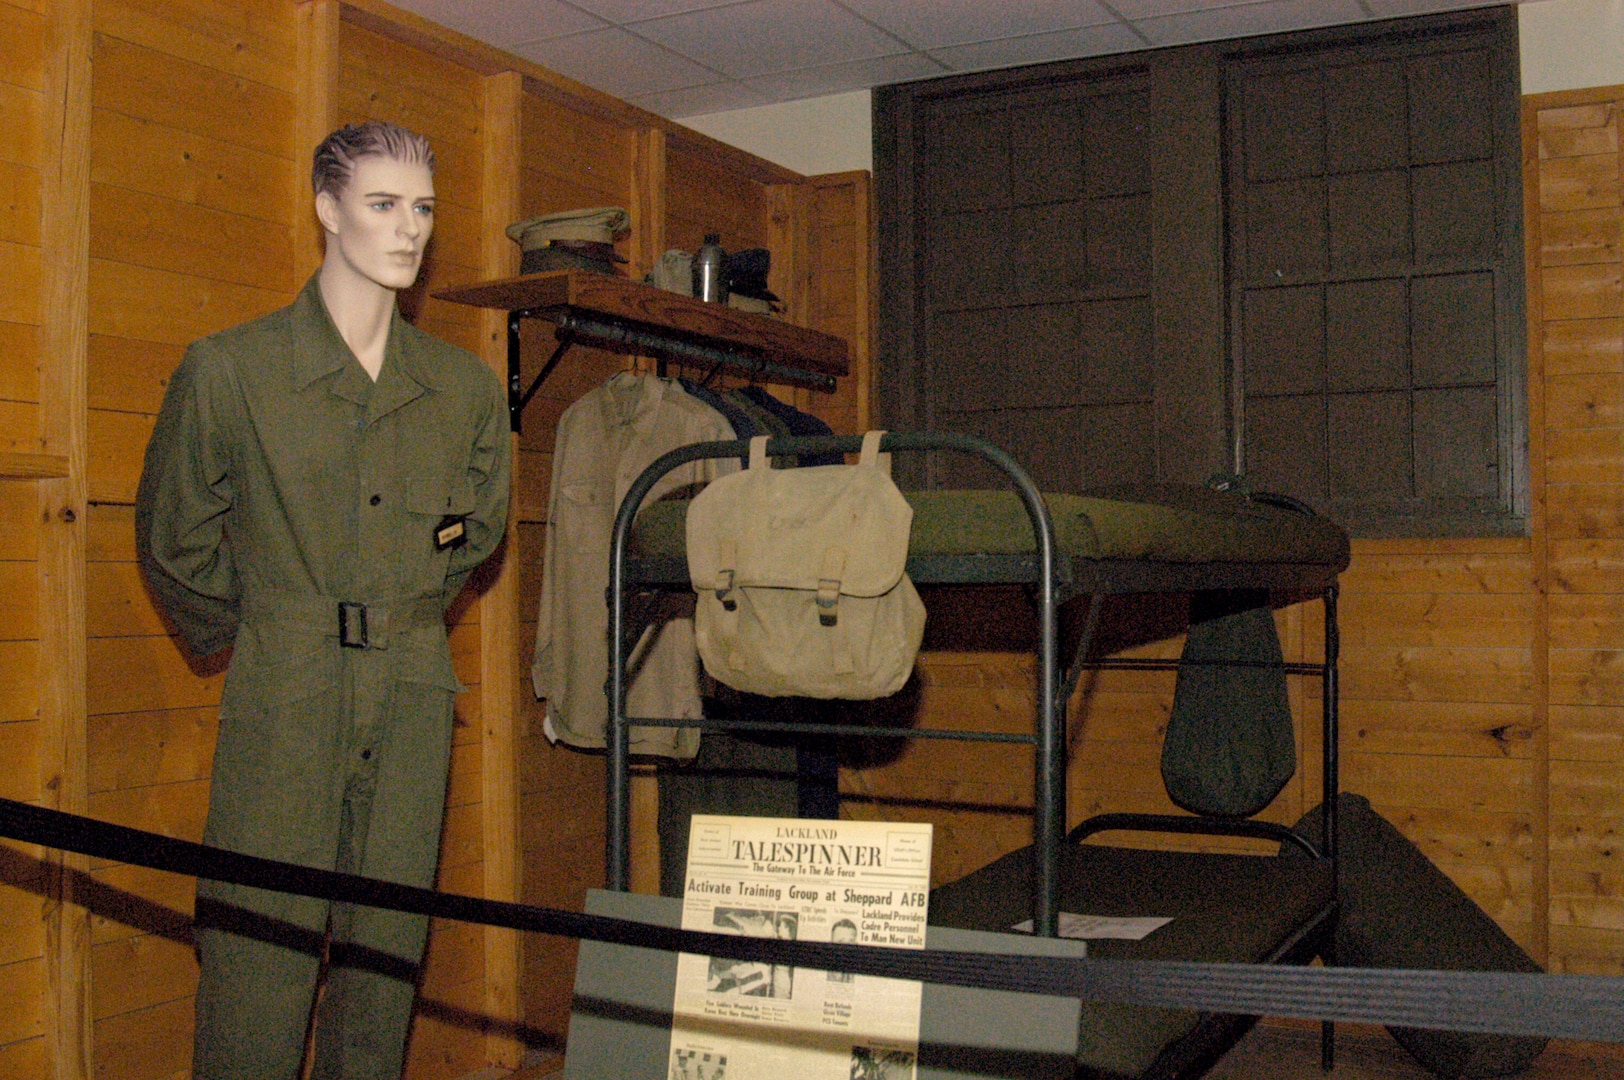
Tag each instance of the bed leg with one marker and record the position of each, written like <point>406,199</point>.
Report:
<point>1327,1045</point>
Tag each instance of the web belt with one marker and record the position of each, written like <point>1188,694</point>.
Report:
<point>1583,1007</point>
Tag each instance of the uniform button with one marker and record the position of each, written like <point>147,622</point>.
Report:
<point>366,755</point>
<point>375,500</point>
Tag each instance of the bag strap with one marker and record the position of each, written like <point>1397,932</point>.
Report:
<point>871,452</point>
<point>758,453</point>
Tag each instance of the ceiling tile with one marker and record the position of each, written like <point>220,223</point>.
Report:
<point>1150,9</point>
<point>929,24</point>
<point>1040,48</point>
<point>616,62</point>
<point>763,36</point>
<point>1273,17</point>
<point>838,78</point>
<point>630,11</point>
<point>505,22</point>
<point>698,100</point>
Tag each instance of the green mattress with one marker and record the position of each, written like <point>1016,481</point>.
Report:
<point>1161,523</point>
<point>1225,909</point>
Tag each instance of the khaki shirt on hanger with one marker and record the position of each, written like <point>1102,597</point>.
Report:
<point>604,441</point>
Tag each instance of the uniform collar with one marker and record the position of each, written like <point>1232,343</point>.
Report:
<point>319,351</point>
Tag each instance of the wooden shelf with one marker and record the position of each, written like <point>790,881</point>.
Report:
<point>15,466</point>
<point>618,300</point>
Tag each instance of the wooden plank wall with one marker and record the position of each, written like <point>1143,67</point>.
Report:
<point>192,178</point>
<point>1576,238</point>
<point>23,33</point>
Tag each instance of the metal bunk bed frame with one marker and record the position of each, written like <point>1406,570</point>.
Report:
<point>1054,578</point>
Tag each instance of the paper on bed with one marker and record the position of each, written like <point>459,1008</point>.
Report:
<point>1121,928</point>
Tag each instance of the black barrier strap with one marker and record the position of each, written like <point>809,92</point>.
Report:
<point>1586,1007</point>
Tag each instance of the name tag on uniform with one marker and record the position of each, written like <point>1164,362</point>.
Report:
<point>451,532</point>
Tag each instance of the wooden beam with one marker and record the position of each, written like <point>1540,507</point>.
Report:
<point>64,418</point>
<point>647,200</point>
<point>499,616</point>
<point>1539,543</point>
<point>313,113</point>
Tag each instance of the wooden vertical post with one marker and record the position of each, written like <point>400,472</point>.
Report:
<point>863,290</point>
<point>313,116</point>
<point>1539,943</point>
<point>647,202</point>
<point>499,607</point>
<point>65,240</point>
<point>647,244</point>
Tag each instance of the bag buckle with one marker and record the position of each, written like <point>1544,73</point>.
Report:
<point>352,624</point>
<point>724,586</point>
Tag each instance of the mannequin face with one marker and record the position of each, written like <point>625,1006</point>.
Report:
<point>377,229</point>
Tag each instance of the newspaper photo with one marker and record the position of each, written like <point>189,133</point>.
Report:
<point>862,882</point>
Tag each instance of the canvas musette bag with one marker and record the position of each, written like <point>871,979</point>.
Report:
<point>800,578</point>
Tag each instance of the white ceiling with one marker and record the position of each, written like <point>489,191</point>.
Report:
<point>685,58</point>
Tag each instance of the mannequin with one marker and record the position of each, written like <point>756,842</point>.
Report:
<point>319,485</point>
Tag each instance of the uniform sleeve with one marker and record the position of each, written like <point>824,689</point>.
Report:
<point>489,469</point>
<point>180,514</point>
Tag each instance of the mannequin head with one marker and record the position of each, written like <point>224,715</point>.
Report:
<point>374,187</point>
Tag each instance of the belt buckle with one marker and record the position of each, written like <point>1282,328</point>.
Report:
<point>352,624</point>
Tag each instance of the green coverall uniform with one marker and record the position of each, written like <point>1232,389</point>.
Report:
<point>281,481</point>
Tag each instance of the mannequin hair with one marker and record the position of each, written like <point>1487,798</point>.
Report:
<point>335,158</point>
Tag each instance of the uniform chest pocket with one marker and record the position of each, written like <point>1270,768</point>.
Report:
<point>439,495</point>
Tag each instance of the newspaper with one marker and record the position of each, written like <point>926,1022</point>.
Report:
<point>844,881</point>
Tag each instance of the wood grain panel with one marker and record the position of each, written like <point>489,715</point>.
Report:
<point>1587,789</point>
<point>1576,401</point>
<point>175,810</point>
<point>1587,676</point>
<point>560,146</point>
<point>118,605</point>
<point>149,85</point>
<point>1581,236</point>
<point>140,972</point>
<point>461,840</point>
<point>1579,183</point>
<point>1577,131</point>
<point>20,278</point>
<point>22,925</point>
<point>128,375</point>
<point>118,443</point>
<point>1587,620</point>
<point>19,361</point>
<point>137,900</point>
<point>1437,619</point>
<point>19,680</point>
<point>158,305</point>
<point>164,746</point>
<point>1593,291</point>
<point>19,584</point>
<point>146,1044</point>
<point>1444,729</point>
<point>111,535</point>
<point>24,1060</point>
<point>184,238</point>
<point>1576,511</point>
<point>1583,346</point>
<point>143,155</point>
<point>22,47</point>
<point>19,203</point>
<point>1587,733</point>
<point>19,427</point>
<point>467,767</point>
<point>138,674</point>
<point>1426,674</point>
<point>1584,455</point>
<point>251,39</point>
<point>1577,950</point>
<point>23,1017</point>
<point>20,753</point>
<point>431,95</point>
<point>703,197</point>
<point>21,133</point>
